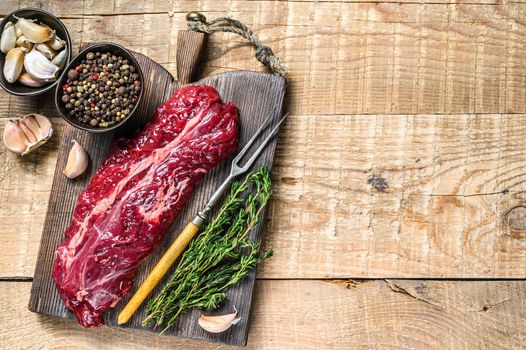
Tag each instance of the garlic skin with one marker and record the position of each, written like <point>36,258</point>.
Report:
<point>34,32</point>
<point>14,138</point>
<point>39,67</point>
<point>28,80</point>
<point>8,38</point>
<point>218,324</point>
<point>60,59</point>
<point>14,62</point>
<point>24,135</point>
<point>22,41</point>
<point>45,50</point>
<point>78,161</point>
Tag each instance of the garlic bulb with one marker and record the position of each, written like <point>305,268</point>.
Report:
<point>14,62</point>
<point>34,32</point>
<point>218,324</point>
<point>78,161</point>
<point>39,67</point>
<point>28,80</point>
<point>8,38</point>
<point>24,135</point>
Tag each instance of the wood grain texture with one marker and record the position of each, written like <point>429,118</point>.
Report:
<point>459,65</point>
<point>343,57</point>
<point>316,315</point>
<point>255,94</point>
<point>451,181</point>
<point>187,60</point>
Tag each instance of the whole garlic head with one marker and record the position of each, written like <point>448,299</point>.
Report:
<point>24,135</point>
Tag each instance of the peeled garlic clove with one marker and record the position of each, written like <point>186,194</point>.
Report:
<point>28,80</point>
<point>34,32</point>
<point>56,43</point>
<point>22,41</point>
<point>18,30</point>
<point>60,59</point>
<point>77,161</point>
<point>45,50</point>
<point>14,62</point>
<point>8,38</point>
<point>26,134</point>
<point>218,324</point>
<point>14,138</point>
<point>39,67</point>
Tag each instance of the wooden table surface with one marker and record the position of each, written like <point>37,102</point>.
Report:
<point>400,177</point>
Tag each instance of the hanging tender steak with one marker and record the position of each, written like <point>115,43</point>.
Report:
<point>135,196</point>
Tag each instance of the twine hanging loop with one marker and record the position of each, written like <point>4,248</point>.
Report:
<point>264,54</point>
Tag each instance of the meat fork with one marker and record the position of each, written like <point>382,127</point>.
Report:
<point>191,229</point>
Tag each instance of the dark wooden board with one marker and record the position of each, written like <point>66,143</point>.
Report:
<point>256,95</point>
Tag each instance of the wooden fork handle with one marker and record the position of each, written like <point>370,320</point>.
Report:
<point>158,272</point>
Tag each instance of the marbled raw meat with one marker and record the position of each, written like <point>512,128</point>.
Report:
<point>135,195</point>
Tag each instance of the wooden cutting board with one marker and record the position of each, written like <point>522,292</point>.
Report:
<point>255,94</point>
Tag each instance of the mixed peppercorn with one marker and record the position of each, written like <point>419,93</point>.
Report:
<point>102,90</point>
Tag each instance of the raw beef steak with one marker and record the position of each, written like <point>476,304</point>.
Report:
<point>135,195</point>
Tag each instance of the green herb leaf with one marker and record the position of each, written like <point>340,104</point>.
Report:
<point>219,257</point>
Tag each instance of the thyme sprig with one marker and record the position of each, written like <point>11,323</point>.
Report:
<point>219,257</point>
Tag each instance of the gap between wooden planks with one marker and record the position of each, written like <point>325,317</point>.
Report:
<point>342,314</point>
<point>448,185</point>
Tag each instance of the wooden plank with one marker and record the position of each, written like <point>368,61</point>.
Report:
<point>316,315</point>
<point>256,95</point>
<point>451,182</point>
<point>376,58</point>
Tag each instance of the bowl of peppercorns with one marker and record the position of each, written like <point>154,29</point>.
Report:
<point>101,88</point>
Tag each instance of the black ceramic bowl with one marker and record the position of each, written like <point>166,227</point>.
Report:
<point>53,22</point>
<point>115,49</point>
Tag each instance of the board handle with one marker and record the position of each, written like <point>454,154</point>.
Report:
<point>190,47</point>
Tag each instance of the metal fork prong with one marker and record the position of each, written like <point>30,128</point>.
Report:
<point>261,147</point>
<point>254,137</point>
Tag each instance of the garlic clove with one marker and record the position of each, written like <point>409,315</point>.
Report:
<point>45,50</point>
<point>39,67</point>
<point>28,80</point>
<point>78,161</point>
<point>218,324</point>
<point>14,62</point>
<point>36,33</point>
<point>26,134</point>
<point>56,43</point>
<point>14,138</point>
<point>8,38</point>
<point>39,125</point>
<point>18,30</point>
<point>60,59</point>
<point>22,41</point>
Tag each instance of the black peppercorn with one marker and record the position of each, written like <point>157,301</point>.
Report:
<point>73,74</point>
